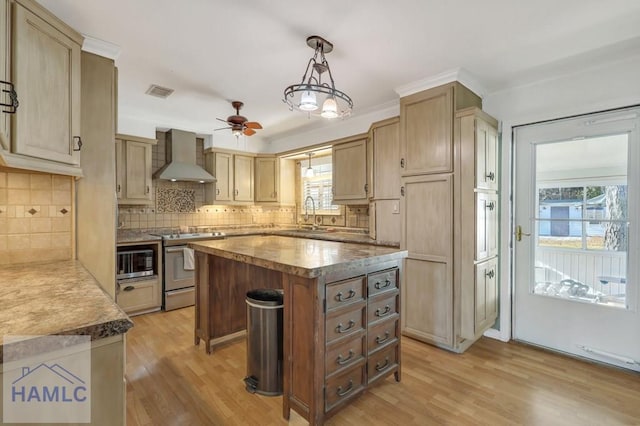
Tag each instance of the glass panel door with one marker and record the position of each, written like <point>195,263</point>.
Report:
<point>575,233</point>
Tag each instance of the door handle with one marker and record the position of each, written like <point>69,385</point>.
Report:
<point>519,233</point>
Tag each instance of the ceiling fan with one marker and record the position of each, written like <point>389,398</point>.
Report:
<point>238,123</point>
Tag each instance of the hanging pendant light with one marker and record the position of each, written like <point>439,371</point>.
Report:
<point>309,172</point>
<point>303,96</point>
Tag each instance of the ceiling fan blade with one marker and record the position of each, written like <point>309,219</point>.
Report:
<point>249,131</point>
<point>221,128</point>
<point>224,121</point>
<point>253,125</point>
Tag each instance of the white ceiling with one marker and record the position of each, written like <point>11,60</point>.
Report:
<point>214,51</point>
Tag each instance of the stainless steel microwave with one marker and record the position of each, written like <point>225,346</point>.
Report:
<point>135,263</point>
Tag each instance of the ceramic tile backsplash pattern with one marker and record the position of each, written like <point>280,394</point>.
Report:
<point>175,200</point>
<point>35,217</point>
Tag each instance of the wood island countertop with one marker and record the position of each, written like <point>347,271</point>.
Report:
<point>39,299</point>
<point>304,257</point>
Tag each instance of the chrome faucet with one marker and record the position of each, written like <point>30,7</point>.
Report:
<point>306,210</point>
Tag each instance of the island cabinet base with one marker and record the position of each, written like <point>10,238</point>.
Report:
<point>341,329</point>
<point>221,289</point>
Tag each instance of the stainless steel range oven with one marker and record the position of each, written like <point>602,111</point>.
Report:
<point>179,279</point>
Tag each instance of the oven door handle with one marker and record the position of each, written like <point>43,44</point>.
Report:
<point>175,249</point>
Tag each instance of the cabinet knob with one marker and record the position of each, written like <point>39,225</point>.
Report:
<point>147,190</point>
<point>13,104</point>
<point>402,163</point>
<point>78,142</point>
<point>366,187</point>
<point>217,191</point>
<point>118,189</point>
<point>491,206</point>
<point>402,191</point>
<point>490,274</point>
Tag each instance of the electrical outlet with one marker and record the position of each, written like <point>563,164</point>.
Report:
<point>395,209</point>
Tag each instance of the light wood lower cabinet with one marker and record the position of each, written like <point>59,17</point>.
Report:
<point>449,206</point>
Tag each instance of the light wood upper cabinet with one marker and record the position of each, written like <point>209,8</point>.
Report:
<point>234,178</point>
<point>40,55</point>
<point>5,72</point>
<point>267,179</point>
<point>426,128</point>
<point>384,150</point>
<point>46,73</point>
<point>243,178</point>
<point>133,170</point>
<point>350,179</point>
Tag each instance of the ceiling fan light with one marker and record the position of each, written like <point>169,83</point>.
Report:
<point>237,133</point>
<point>308,101</point>
<point>329,108</point>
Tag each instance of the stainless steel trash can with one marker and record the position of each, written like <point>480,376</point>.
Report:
<point>264,341</point>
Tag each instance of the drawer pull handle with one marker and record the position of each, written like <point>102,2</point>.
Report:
<point>342,329</point>
<point>380,367</point>
<point>381,340</point>
<point>129,288</point>
<point>382,312</point>
<point>343,361</point>
<point>349,388</point>
<point>379,286</point>
<point>491,176</point>
<point>339,297</point>
<point>491,206</point>
<point>490,274</point>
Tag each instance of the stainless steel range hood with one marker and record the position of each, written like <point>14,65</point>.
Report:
<point>181,159</point>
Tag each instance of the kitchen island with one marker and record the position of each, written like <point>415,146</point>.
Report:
<point>62,298</point>
<point>341,311</point>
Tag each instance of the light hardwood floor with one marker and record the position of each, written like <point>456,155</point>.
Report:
<point>172,382</point>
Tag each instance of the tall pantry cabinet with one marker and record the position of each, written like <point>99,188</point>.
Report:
<point>448,150</point>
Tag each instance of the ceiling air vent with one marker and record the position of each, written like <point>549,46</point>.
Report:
<point>159,91</point>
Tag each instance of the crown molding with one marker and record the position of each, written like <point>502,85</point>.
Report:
<point>458,74</point>
<point>101,47</point>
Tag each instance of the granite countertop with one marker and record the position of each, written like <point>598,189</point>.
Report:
<point>57,298</point>
<point>299,256</point>
<point>135,236</point>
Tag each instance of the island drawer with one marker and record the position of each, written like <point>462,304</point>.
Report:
<point>344,386</point>
<point>382,281</point>
<point>382,335</point>
<point>342,293</point>
<point>345,322</point>
<point>345,354</point>
<point>382,362</point>
<point>383,307</point>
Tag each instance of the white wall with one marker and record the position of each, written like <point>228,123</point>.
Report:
<point>596,88</point>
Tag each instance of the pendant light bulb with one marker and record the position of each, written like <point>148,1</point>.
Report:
<point>329,108</point>
<point>308,101</point>
<point>309,172</point>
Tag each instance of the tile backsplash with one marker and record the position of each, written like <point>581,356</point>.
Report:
<point>36,217</point>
